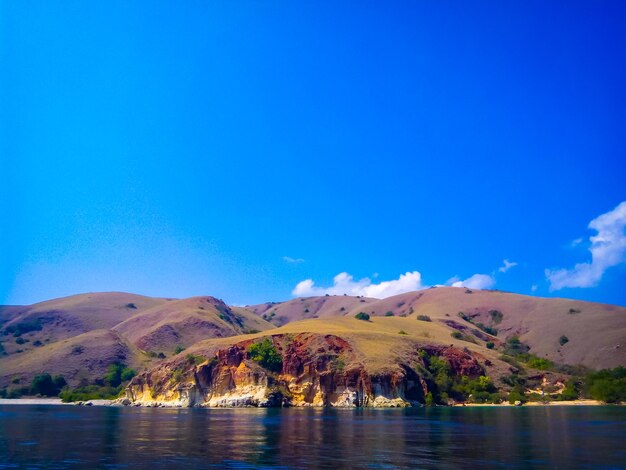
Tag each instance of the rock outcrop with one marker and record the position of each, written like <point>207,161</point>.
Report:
<point>317,370</point>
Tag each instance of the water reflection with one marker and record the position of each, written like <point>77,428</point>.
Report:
<point>69,437</point>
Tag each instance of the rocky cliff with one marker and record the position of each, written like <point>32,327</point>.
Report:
<point>313,370</point>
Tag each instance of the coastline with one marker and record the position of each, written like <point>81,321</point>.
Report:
<point>547,403</point>
<point>57,401</point>
<point>52,401</point>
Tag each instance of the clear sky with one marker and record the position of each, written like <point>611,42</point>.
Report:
<point>256,150</point>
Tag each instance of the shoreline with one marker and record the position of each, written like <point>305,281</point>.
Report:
<point>52,401</point>
<point>57,401</point>
<point>547,403</point>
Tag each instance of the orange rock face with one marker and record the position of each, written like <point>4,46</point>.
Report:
<point>317,370</point>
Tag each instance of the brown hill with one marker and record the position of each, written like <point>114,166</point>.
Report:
<point>596,333</point>
<point>337,361</point>
<point>281,313</point>
<point>185,322</point>
<point>79,336</point>
<point>79,359</point>
<point>54,320</point>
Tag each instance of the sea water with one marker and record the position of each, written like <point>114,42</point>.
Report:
<point>47,436</point>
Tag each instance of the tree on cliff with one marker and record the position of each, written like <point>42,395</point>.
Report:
<point>266,355</point>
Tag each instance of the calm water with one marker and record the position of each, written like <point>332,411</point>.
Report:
<point>75,437</point>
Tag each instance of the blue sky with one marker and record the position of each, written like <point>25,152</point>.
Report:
<point>237,149</point>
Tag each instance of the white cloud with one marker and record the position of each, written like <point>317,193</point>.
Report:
<point>534,287</point>
<point>289,259</point>
<point>507,265</point>
<point>344,283</point>
<point>608,248</point>
<point>576,242</point>
<point>477,281</point>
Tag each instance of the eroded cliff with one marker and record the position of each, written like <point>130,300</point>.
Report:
<point>313,370</point>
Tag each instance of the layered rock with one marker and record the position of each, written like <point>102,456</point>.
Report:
<point>317,370</point>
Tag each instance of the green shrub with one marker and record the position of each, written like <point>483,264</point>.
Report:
<point>195,358</point>
<point>513,346</point>
<point>20,340</point>
<point>131,305</point>
<point>389,313</point>
<point>402,332</point>
<point>177,375</point>
<point>24,327</point>
<point>16,392</point>
<point>490,345</point>
<point>90,392</point>
<point>338,363</point>
<point>513,380</point>
<point>462,337</point>
<point>563,339</point>
<point>607,385</point>
<point>429,400</point>
<point>362,316</point>
<point>512,361</point>
<point>444,384</point>
<point>479,390</point>
<point>178,349</point>
<point>118,373</point>
<point>517,394</point>
<point>44,384</point>
<point>570,392</point>
<point>537,362</point>
<point>487,329</point>
<point>423,318</point>
<point>496,316</point>
<point>266,355</point>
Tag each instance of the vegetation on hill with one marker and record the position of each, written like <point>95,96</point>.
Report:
<point>107,388</point>
<point>42,385</point>
<point>141,332</point>
<point>607,385</point>
<point>446,386</point>
<point>266,355</point>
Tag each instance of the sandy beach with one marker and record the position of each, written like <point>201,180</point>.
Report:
<point>537,403</point>
<point>48,401</point>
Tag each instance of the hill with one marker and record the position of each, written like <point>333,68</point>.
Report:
<point>106,328</point>
<point>328,355</point>
<point>54,320</point>
<point>185,322</point>
<point>596,333</point>
<point>281,313</point>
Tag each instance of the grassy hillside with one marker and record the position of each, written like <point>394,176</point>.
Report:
<point>185,322</point>
<point>281,313</point>
<point>595,333</point>
<point>47,322</point>
<point>83,358</point>
<point>80,336</point>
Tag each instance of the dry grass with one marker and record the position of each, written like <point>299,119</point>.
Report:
<point>109,328</point>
